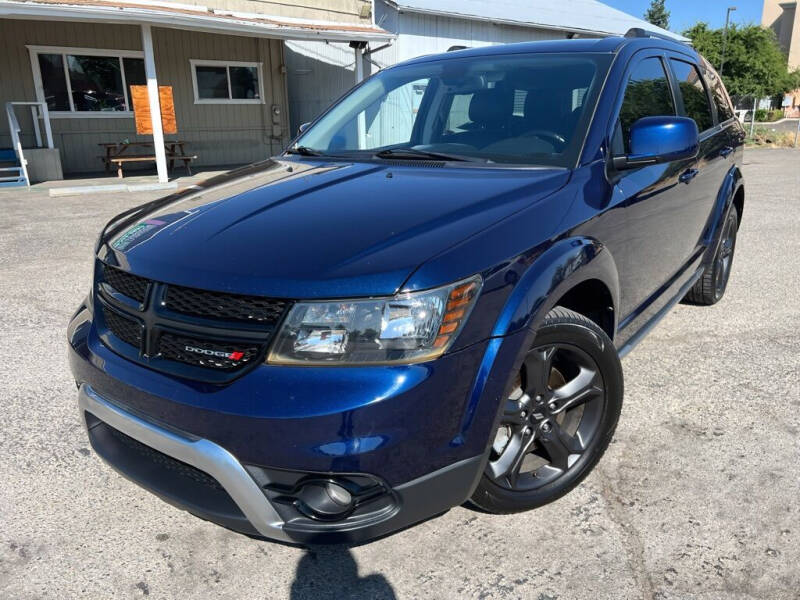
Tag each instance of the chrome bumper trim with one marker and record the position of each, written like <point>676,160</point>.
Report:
<point>200,453</point>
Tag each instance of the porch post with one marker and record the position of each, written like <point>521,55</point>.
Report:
<point>359,65</point>
<point>361,124</point>
<point>155,105</point>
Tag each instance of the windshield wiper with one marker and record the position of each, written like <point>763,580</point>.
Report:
<point>414,154</point>
<point>304,151</point>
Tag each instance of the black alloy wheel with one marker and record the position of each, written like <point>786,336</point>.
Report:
<point>724,258</point>
<point>711,286</point>
<point>558,418</point>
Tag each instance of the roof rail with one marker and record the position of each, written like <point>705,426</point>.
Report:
<point>455,48</point>
<point>638,32</point>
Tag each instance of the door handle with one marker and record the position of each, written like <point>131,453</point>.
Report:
<point>725,151</point>
<point>688,175</point>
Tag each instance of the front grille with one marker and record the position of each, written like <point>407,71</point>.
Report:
<point>128,330</point>
<point>165,461</point>
<point>219,305</point>
<point>206,354</point>
<point>125,283</point>
<point>169,339</point>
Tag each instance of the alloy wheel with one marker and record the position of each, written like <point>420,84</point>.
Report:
<point>725,256</point>
<point>550,418</point>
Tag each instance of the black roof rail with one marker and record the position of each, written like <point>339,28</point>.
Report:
<point>455,48</point>
<point>638,32</point>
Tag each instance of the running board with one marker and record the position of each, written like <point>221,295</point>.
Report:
<point>654,320</point>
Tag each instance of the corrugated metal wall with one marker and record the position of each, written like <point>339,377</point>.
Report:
<point>319,73</point>
<point>220,134</point>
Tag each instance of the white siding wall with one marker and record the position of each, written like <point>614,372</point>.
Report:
<point>319,73</point>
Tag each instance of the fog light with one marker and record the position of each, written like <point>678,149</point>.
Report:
<point>324,501</point>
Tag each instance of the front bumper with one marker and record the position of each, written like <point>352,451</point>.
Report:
<point>225,463</point>
<point>239,503</point>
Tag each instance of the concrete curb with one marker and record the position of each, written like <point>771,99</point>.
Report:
<point>105,189</point>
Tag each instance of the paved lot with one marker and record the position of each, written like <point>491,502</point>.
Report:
<point>696,498</point>
<point>786,125</point>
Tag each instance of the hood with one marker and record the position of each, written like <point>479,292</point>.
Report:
<point>317,229</point>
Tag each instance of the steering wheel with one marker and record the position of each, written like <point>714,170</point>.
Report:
<point>558,140</point>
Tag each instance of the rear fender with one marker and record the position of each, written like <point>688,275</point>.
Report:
<point>727,191</point>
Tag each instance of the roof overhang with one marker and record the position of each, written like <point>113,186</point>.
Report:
<point>546,17</point>
<point>187,16</point>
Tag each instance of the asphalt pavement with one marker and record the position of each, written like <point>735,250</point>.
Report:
<point>697,497</point>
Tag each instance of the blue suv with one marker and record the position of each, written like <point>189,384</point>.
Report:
<point>423,301</point>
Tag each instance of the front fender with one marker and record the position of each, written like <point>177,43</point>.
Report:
<point>564,265</point>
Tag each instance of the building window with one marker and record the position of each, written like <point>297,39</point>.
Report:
<point>223,82</point>
<point>86,82</point>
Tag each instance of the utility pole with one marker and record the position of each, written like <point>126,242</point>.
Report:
<point>725,38</point>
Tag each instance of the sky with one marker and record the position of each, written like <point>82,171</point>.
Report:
<point>685,13</point>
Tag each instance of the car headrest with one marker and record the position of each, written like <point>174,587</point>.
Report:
<point>542,106</point>
<point>490,107</point>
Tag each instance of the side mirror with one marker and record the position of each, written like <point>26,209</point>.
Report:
<point>303,127</point>
<point>656,140</point>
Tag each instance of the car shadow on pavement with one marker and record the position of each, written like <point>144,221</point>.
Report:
<point>331,572</point>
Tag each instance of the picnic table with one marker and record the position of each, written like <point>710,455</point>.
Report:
<point>117,153</point>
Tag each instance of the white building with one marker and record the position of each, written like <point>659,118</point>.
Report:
<point>320,72</point>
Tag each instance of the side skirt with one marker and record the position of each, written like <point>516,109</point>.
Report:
<point>653,321</point>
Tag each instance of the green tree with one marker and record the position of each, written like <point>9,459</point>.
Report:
<point>657,14</point>
<point>754,62</point>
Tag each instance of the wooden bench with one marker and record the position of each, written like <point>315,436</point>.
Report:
<point>120,160</point>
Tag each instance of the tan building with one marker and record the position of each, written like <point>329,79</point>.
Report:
<point>223,61</point>
<point>784,20</point>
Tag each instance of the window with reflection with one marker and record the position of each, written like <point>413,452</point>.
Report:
<point>88,82</point>
<point>693,92</point>
<point>647,94</point>
<point>721,99</point>
<point>219,82</point>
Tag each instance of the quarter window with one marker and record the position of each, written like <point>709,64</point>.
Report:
<point>646,95</point>
<point>721,100</point>
<point>86,80</point>
<point>219,82</point>
<point>693,92</point>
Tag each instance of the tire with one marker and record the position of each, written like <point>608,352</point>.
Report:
<point>710,288</point>
<point>570,383</point>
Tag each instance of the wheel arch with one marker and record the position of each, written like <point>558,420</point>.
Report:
<point>569,267</point>
<point>738,201</point>
<point>578,273</point>
<point>730,195</point>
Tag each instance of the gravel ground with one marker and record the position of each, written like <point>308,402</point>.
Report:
<point>696,498</point>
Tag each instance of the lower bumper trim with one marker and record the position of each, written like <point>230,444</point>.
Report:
<point>199,453</point>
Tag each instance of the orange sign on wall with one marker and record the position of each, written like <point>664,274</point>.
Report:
<point>141,109</point>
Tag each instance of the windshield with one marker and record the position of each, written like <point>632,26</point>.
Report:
<point>526,109</point>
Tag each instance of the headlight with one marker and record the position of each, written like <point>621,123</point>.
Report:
<point>406,328</point>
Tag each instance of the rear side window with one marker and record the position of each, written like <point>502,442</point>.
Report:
<point>721,100</point>
<point>693,92</point>
<point>646,95</point>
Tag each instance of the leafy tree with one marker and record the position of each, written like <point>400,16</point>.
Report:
<point>754,62</point>
<point>657,14</point>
